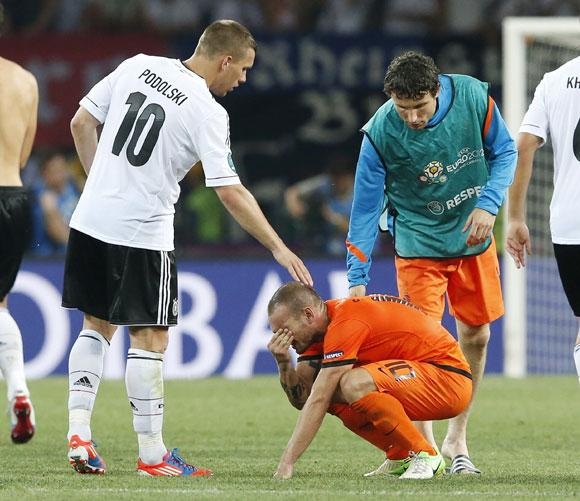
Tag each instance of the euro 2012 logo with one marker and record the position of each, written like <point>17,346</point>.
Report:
<point>432,173</point>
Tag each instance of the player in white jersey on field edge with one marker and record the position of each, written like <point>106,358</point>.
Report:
<point>554,111</point>
<point>159,119</point>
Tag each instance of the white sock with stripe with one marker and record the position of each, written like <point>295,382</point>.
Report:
<point>144,381</point>
<point>85,370</point>
<point>11,357</point>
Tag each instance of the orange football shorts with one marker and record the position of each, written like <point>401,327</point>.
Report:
<point>426,392</point>
<point>472,285</point>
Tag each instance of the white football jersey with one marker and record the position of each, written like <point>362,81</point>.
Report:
<point>555,111</point>
<point>159,120</point>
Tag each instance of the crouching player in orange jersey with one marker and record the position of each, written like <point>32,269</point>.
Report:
<point>383,364</point>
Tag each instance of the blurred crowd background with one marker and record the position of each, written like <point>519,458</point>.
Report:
<point>294,125</point>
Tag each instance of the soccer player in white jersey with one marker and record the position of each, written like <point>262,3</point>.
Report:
<point>159,119</point>
<point>554,111</point>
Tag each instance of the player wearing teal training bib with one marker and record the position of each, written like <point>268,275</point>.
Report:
<point>430,201</point>
<point>434,166</point>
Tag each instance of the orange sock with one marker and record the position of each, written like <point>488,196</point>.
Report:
<point>398,434</point>
<point>359,424</point>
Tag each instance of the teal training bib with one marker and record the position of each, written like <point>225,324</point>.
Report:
<point>434,175</point>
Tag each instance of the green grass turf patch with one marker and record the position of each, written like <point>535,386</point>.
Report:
<point>523,435</point>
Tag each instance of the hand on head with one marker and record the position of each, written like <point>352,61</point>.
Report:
<point>294,265</point>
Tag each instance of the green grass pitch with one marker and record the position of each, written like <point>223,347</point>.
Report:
<point>524,435</point>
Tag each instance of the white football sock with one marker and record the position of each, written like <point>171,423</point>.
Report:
<point>144,381</point>
<point>11,357</point>
<point>151,447</point>
<point>85,369</point>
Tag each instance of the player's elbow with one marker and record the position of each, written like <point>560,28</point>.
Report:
<point>528,143</point>
<point>298,404</point>
<point>230,196</point>
<point>76,122</point>
<point>76,127</point>
<point>81,122</point>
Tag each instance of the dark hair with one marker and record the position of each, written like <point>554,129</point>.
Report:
<point>225,37</point>
<point>294,296</point>
<point>411,75</point>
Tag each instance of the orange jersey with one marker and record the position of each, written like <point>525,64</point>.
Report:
<point>379,327</point>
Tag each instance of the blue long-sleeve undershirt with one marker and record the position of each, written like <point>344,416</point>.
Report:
<point>368,201</point>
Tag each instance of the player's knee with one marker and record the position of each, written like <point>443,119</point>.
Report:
<point>149,338</point>
<point>103,327</point>
<point>479,340</point>
<point>355,384</point>
<point>475,336</point>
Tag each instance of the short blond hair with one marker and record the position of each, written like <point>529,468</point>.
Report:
<point>225,37</point>
<point>294,296</point>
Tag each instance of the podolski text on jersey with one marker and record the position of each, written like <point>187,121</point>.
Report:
<point>163,87</point>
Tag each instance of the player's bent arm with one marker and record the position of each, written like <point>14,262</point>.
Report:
<point>83,127</point>
<point>242,205</point>
<point>310,418</point>
<point>32,121</point>
<point>297,382</point>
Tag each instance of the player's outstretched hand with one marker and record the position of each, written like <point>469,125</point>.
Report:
<point>357,291</point>
<point>518,242</point>
<point>284,471</point>
<point>294,265</point>
<point>480,225</point>
<point>279,345</point>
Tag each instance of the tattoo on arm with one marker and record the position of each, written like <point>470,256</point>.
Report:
<point>296,386</point>
<point>294,392</point>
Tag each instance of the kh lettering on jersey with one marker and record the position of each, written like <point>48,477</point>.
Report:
<point>163,87</point>
<point>573,83</point>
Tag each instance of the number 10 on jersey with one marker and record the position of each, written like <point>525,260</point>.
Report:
<point>135,102</point>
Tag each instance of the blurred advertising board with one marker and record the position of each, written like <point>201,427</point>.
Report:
<point>223,327</point>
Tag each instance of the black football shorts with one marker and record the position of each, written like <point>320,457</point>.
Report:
<point>122,285</point>
<point>15,233</point>
<point>568,259</point>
